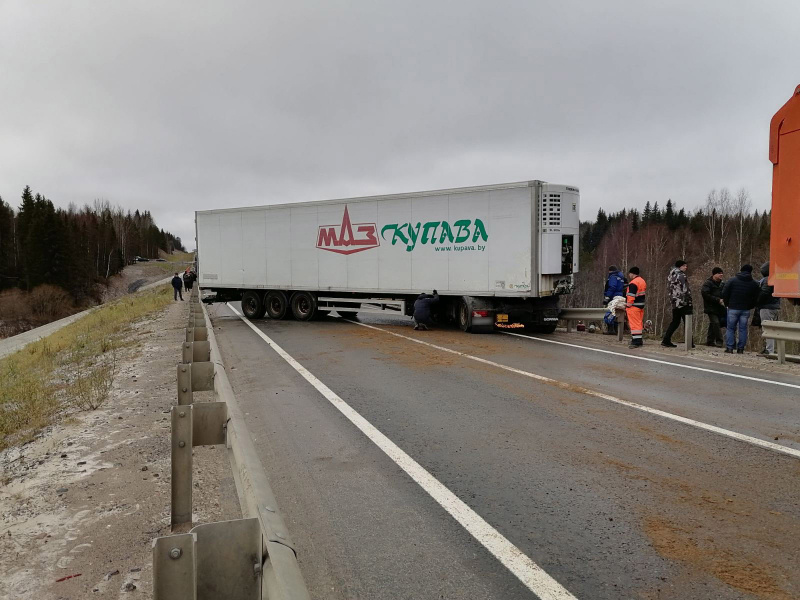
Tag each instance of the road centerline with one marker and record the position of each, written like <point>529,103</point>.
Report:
<point>530,574</point>
<point>589,392</point>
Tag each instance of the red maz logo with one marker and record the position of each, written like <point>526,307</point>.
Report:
<point>344,241</point>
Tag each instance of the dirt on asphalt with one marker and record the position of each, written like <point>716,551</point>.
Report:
<point>80,505</point>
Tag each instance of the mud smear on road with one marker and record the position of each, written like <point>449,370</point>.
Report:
<point>687,546</point>
<point>716,534</point>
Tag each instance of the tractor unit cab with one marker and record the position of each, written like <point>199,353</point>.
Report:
<point>784,153</point>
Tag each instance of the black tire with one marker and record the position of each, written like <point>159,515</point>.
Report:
<point>276,304</point>
<point>253,305</point>
<point>464,316</point>
<point>544,327</point>
<point>304,306</point>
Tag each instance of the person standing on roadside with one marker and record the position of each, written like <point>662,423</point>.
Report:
<point>615,287</point>
<point>680,296</point>
<point>188,279</point>
<point>769,306</point>
<point>740,294</point>
<point>177,287</point>
<point>634,310</point>
<point>714,307</point>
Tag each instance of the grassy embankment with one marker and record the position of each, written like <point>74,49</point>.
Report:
<point>72,369</point>
<point>177,261</point>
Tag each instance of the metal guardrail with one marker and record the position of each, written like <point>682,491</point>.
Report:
<point>243,559</point>
<point>781,332</point>
<point>570,315</point>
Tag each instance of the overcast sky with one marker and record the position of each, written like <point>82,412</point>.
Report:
<point>180,106</point>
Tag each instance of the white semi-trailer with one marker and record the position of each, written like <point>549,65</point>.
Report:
<point>499,255</point>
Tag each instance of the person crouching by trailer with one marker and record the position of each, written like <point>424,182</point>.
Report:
<point>634,310</point>
<point>422,310</point>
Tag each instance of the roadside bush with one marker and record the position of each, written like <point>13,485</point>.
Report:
<point>15,314</point>
<point>50,303</point>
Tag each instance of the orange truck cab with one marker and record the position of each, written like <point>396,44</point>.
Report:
<point>784,153</point>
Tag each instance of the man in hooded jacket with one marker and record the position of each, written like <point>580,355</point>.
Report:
<point>714,307</point>
<point>768,305</point>
<point>740,295</point>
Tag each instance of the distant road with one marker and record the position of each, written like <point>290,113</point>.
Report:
<point>17,342</point>
<point>595,468</point>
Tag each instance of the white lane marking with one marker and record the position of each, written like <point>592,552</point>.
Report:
<point>656,360</point>
<point>582,390</point>
<point>527,571</point>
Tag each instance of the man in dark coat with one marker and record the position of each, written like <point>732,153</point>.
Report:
<point>422,310</point>
<point>177,287</point>
<point>714,307</point>
<point>740,294</point>
<point>188,279</point>
<point>769,306</point>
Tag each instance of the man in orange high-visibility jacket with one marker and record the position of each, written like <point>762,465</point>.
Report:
<point>634,310</point>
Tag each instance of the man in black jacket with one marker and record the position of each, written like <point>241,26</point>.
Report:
<point>714,307</point>
<point>177,287</point>
<point>422,310</point>
<point>740,294</point>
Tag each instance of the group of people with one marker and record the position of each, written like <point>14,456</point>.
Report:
<point>187,282</point>
<point>727,304</point>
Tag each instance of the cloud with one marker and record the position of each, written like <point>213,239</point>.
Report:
<point>180,106</point>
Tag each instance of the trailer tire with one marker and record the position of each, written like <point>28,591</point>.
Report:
<point>277,304</point>
<point>253,305</point>
<point>544,328</point>
<point>304,306</point>
<point>464,316</point>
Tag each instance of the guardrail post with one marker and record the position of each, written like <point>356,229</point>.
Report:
<point>196,334</point>
<point>688,332</point>
<point>175,567</point>
<point>184,384</point>
<point>196,351</point>
<point>620,325</point>
<point>569,325</point>
<point>182,428</point>
<point>781,351</point>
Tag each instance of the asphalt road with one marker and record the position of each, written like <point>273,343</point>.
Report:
<point>610,500</point>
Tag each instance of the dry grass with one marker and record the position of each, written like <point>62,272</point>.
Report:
<point>177,261</point>
<point>73,368</point>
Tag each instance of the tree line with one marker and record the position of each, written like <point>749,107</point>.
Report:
<point>74,248</point>
<point>724,232</point>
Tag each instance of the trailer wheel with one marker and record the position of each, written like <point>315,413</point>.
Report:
<point>253,305</point>
<point>304,306</point>
<point>464,316</point>
<point>277,304</point>
<point>544,328</point>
